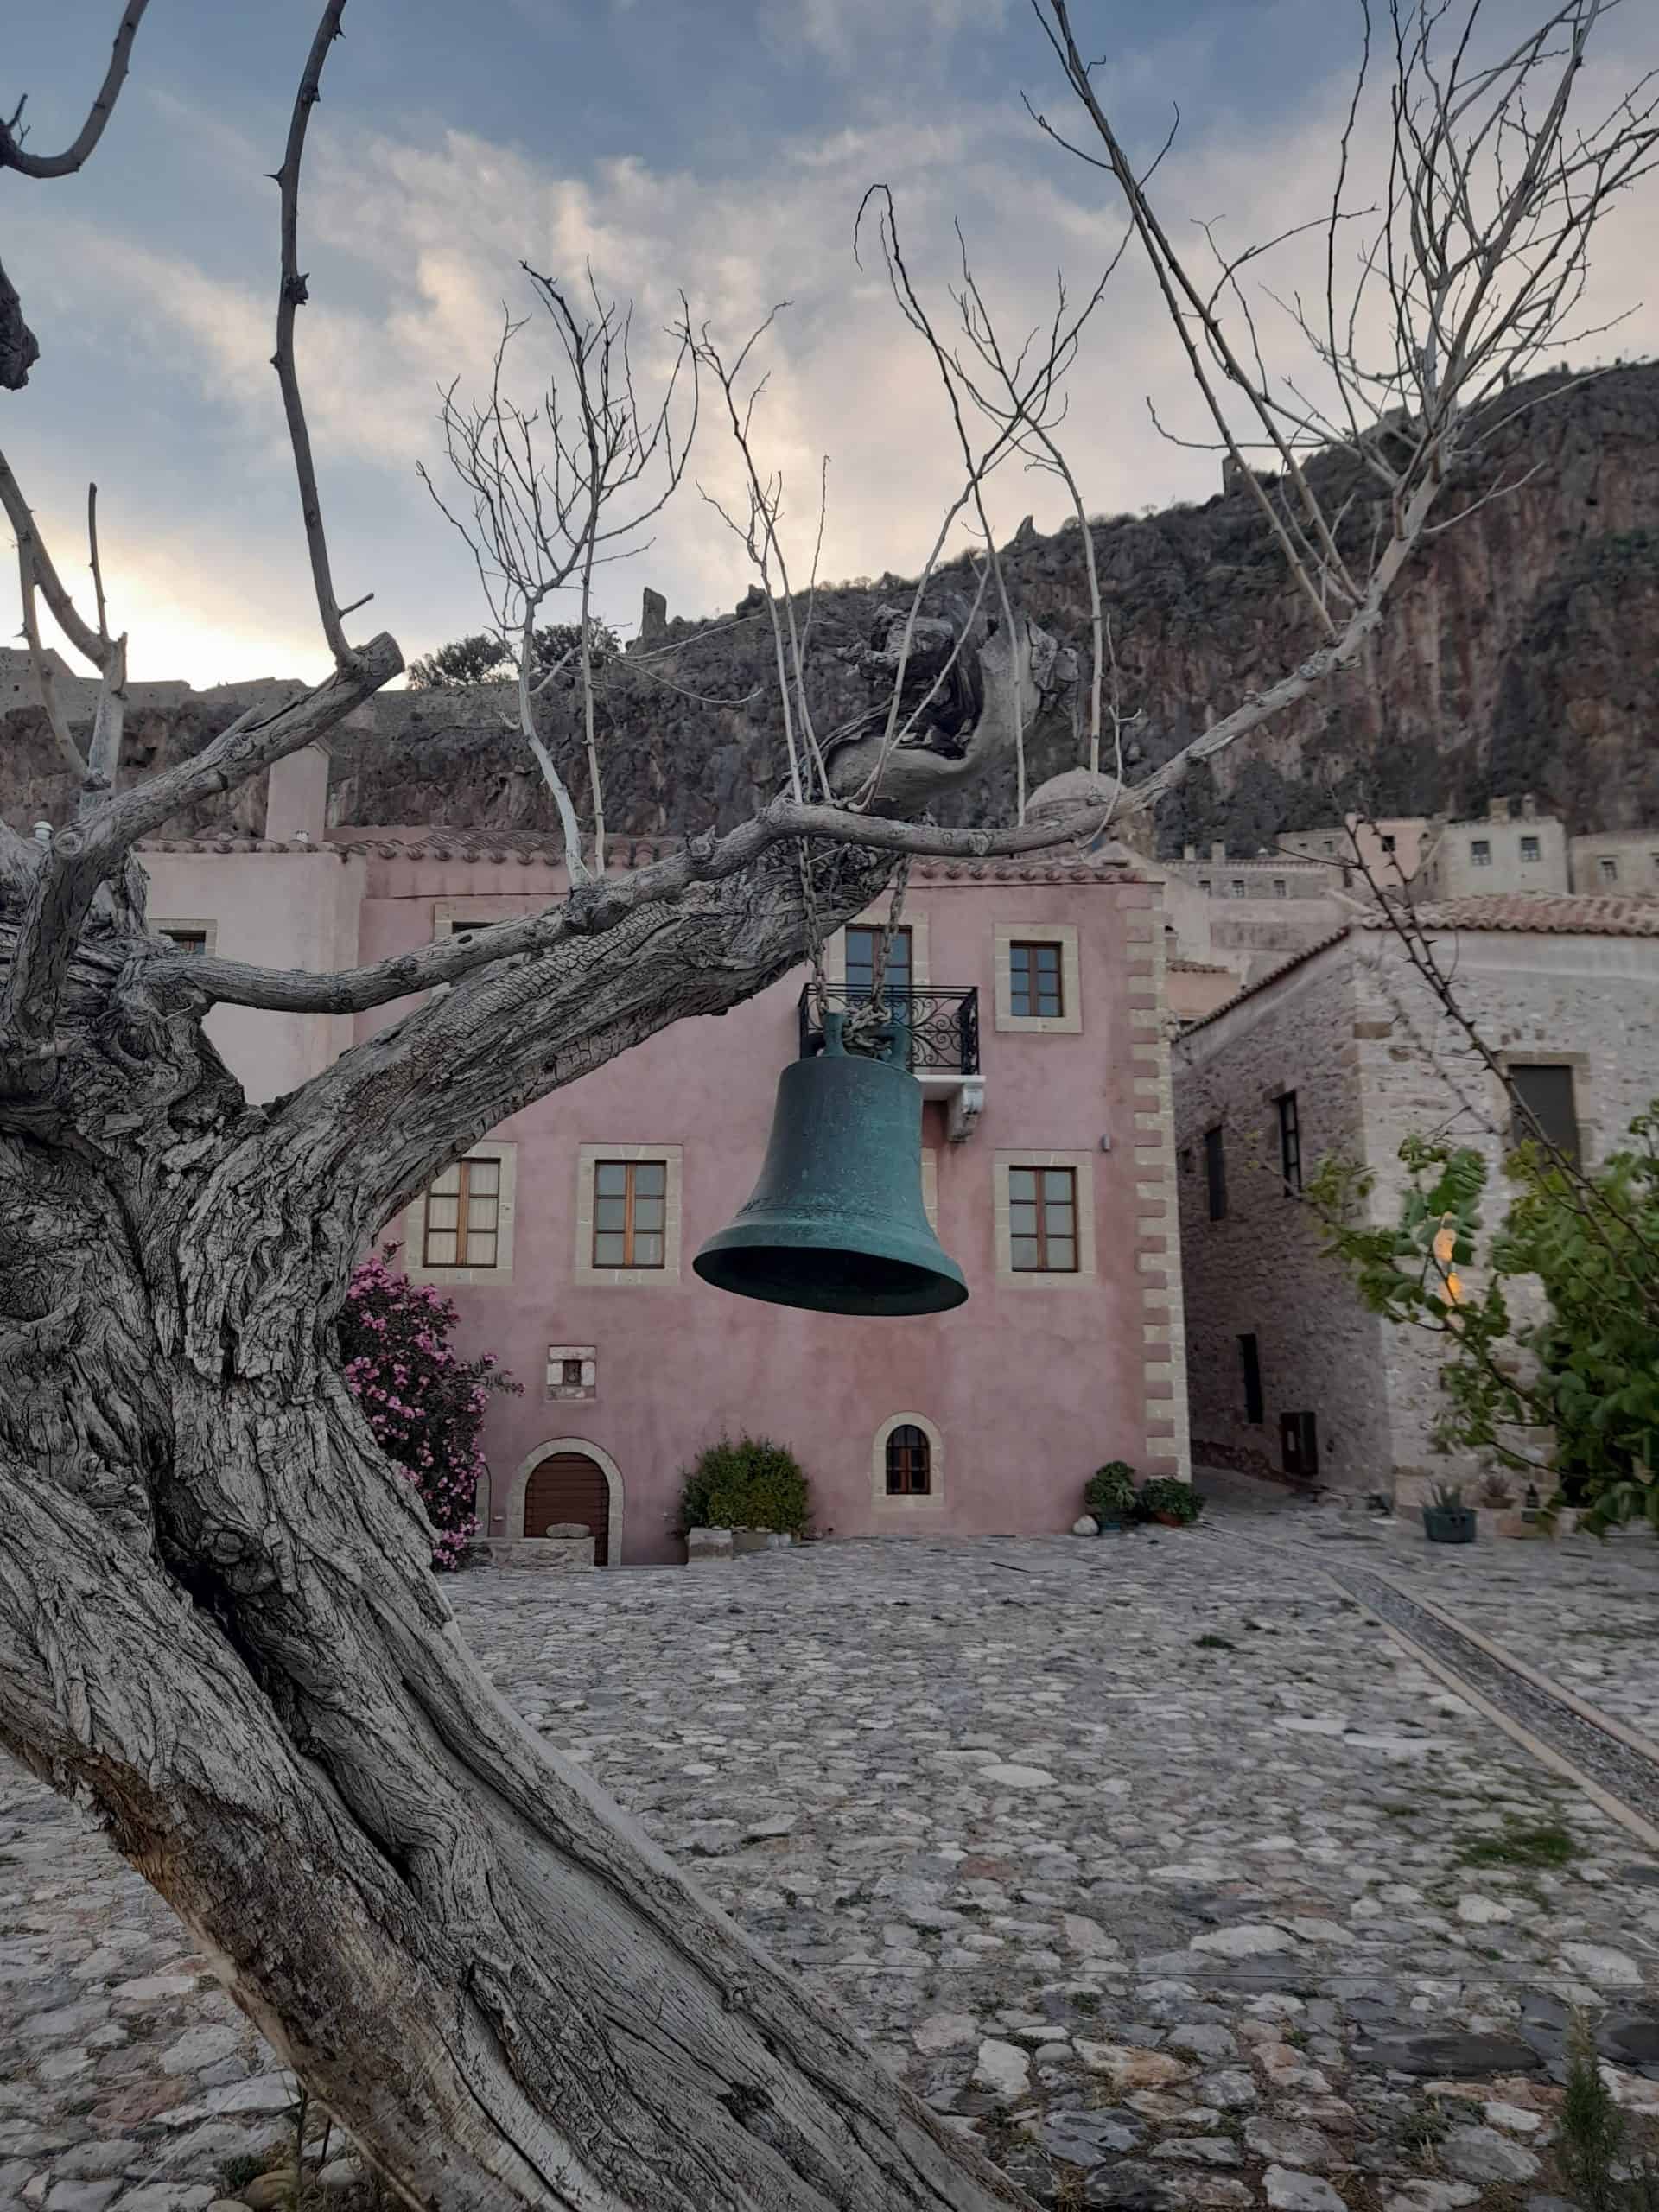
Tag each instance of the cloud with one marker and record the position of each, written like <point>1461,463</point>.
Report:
<point>413,243</point>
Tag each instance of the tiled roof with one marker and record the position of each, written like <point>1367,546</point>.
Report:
<point>1562,913</point>
<point>1558,913</point>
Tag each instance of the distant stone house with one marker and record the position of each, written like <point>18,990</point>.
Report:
<point>1344,1050</point>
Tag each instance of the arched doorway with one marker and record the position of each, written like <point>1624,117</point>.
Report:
<point>569,1480</point>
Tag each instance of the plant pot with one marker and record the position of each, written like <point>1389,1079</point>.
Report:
<point>1169,1520</point>
<point>1109,1524</point>
<point>1449,1525</point>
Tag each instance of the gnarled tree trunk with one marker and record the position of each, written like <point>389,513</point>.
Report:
<point>218,1626</point>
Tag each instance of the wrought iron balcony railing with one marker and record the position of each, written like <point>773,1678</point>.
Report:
<point>943,1025</point>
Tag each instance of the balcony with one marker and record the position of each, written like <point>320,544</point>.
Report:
<point>944,1058</point>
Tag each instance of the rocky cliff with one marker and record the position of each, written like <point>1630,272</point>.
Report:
<point>1521,653</point>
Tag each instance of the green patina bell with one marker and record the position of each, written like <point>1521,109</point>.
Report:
<point>836,1223</point>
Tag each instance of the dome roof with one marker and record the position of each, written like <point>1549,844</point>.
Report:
<point>1070,792</point>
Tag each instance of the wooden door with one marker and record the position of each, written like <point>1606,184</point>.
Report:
<point>570,1486</point>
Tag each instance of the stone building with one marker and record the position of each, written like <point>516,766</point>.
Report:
<point>1615,861</point>
<point>1512,848</point>
<point>566,1236</point>
<point>1345,1050</point>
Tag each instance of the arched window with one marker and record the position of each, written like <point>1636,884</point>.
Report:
<point>910,1462</point>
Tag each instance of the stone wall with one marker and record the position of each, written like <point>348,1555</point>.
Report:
<point>1259,1269</point>
<point>1373,1059</point>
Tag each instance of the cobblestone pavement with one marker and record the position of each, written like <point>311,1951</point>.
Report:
<point>1150,1858</point>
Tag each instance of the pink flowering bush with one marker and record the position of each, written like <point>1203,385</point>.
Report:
<point>423,1401</point>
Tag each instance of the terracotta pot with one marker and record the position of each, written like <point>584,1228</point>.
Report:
<point>1169,1520</point>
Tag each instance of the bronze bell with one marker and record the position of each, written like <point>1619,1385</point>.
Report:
<point>836,1223</point>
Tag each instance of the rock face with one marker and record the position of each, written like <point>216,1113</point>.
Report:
<point>1518,654</point>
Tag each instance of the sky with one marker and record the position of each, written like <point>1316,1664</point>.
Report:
<point>719,147</point>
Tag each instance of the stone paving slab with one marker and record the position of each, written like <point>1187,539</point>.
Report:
<point>1149,1859</point>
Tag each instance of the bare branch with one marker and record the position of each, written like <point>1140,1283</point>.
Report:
<point>292,295</point>
<point>68,751</point>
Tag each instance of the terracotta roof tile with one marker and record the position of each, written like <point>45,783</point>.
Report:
<point>1557,913</point>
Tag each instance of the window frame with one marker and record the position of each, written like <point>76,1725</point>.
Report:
<point>1531,859</point>
<point>1607,868</point>
<point>1290,1142</point>
<point>631,1196</point>
<point>464,1196</point>
<point>903,1504</point>
<point>914,926</point>
<point>584,1269</point>
<point>1083,1275</point>
<point>416,1264</point>
<point>1069,1020</point>
<point>1480,852</point>
<point>907,1452</point>
<point>171,926</point>
<point>874,930</point>
<point>1519,1130</point>
<point>1040,1201</point>
<point>1037,971</point>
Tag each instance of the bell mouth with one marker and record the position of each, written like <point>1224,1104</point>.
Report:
<point>830,1281</point>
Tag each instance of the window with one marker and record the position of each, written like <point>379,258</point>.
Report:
<point>1607,868</point>
<point>1204,883</point>
<point>630,1212</point>
<point>1544,1106</point>
<point>1251,1358</point>
<point>1238,887</point>
<point>463,1216</point>
<point>195,935</point>
<point>1184,1160</point>
<point>572,1371</point>
<point>1480,852</point>
<point>1281,888</point>
<point>1215,1173</point>
<point>863,946</point>
<point>909,1462</point>
<point>1035,984</point>
<point>627,1224</point>
<point>1043,1220</point>
<point>1038,984</point>
<point>1530,849</point>
<point>1387,843</point>
<point>1331,847</point>
<point>1290,1143</point>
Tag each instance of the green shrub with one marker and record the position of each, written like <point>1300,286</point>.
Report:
<point>1108,1494</point>
<point>753,1484</point>
<point>1164,1495</point>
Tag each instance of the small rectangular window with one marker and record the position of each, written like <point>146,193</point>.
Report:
<point>1043,1220</point>
<point>1545,1107</point>
<point>187,940</point>
<point>1184,1160</point>
<point>1281,888</point>
<point>1204,883</point>
<point>1251,1358</point>
<point>1530,849</point>
<point>1290,1143</point>
<point>1238,887</point>
<point>1480,851</point>
<point>463,1216</point>
<point>861,948</point>
<point>630,1212</point>
<point>1215,1172</point>
<point>1388,844</point>
<point>1035,985</point>
<point>1607,868</point>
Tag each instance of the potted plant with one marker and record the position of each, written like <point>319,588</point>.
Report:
<point>1177,1505</point>
<point>1108,1494</point>
<point>1447,1520</point>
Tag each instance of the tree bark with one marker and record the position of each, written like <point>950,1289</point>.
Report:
<point>218,1627</point>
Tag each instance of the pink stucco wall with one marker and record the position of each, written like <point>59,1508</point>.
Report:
<point>1031,1388</point>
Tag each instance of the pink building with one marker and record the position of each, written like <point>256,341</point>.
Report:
<point>567,1238</point>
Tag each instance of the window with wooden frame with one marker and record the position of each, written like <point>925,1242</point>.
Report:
<point>1290,1143</point>
<point>184,939</point>
<point>862,945</point>
<point>1036,981</point>
<point>462,1224</point>
<point>1251,1358</point>
<point>630,1212</point>
<point>1043,1220</point>
<point>910,1462</point>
